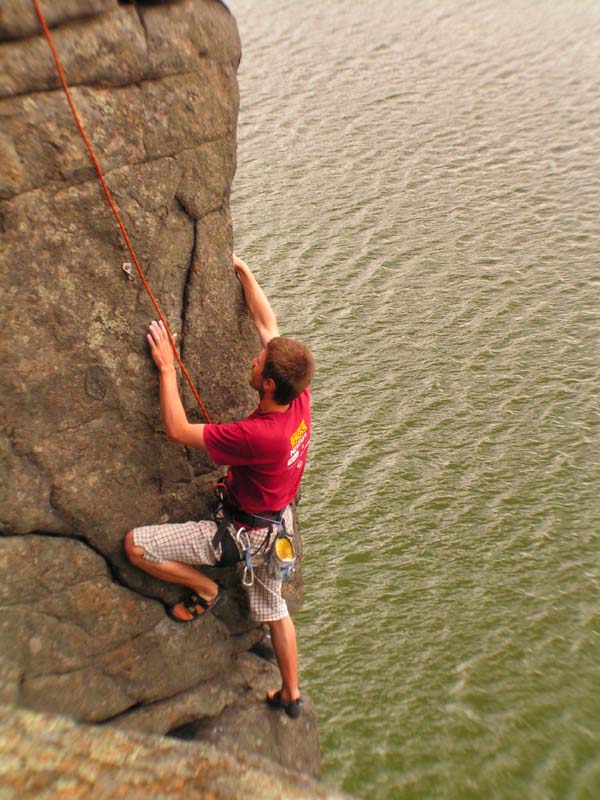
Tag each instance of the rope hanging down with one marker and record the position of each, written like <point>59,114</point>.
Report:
<point>111,202</point>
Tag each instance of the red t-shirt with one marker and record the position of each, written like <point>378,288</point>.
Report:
<point>266,453</point>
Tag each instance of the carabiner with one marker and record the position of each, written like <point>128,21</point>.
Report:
<point>248,576</point>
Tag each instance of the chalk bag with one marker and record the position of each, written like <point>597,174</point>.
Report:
<point>282,557</point>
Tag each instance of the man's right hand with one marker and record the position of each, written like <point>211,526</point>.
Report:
<point>259,307</point>
<point>241,267</point>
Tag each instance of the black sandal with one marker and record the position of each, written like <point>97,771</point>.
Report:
<point>292,708</point>
<point>191,604</point>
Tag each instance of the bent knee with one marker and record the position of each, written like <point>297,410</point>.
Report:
<point>132,550</point>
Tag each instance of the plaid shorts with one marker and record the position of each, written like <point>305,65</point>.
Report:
<point>192,543</point>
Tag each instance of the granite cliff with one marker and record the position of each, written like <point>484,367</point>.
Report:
<point>82,633</point>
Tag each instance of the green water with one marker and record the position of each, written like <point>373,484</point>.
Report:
<point>418,190</point>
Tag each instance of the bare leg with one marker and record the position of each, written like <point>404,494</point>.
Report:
<point>173,572</point>
<point>283,636</point>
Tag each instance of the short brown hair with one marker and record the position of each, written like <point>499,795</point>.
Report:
<point>291,365</point>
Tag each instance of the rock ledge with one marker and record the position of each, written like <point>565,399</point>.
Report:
<point>47,756</point>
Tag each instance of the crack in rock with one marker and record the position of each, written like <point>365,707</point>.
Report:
<point>188,275</point>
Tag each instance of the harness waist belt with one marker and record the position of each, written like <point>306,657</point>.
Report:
<point>254,520</point>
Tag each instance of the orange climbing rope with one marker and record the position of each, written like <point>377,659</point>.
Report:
<point>111,202</point>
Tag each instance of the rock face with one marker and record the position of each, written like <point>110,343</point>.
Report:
<point>49,757</point>
<point>156,90</point>
<point>84,458</point>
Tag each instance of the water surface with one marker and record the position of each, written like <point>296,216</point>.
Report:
<point>418,190</point>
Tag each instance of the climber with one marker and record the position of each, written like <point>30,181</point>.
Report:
<point>266,454</point>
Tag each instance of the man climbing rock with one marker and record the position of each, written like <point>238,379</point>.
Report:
<point>266,454</point>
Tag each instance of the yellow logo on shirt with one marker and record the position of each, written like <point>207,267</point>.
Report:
<point>298,434</point>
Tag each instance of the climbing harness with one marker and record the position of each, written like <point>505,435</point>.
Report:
<point>113,206</point>
<point>232,536</point>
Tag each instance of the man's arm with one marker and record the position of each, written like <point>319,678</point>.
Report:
<point>259,307</point>
<point>174,418</point>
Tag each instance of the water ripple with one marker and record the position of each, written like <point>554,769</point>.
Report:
<point>418,189</point>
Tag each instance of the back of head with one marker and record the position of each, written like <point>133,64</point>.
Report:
<point>291,365</point>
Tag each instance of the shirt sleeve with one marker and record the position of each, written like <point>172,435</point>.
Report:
<point>228,443</point>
